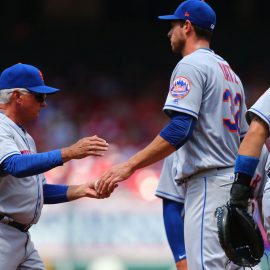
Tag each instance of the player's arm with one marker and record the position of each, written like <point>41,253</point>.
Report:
<point>255,138</point>
<point>54,194</point>
<point>247,160</point>
<point>31,164</point>
<point>171,138</point>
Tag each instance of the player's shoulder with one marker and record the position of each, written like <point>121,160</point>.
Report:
<point>202,59</point>
<point>262,101</point>
<point>3,119</point>
<point>4,122</point>
<point>202,54</point>
<point>266,93</point>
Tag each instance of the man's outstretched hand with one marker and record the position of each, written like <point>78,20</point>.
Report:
<point>86,190</point>
<point>108,181</point>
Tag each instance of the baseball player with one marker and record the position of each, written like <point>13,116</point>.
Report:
<point>23,187</point>
<point>206,106</point>
<point>172,194</point>
<point>248,156</point>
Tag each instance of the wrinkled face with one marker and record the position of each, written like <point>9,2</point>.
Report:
<point>177,37</point>
<point>30,105</point>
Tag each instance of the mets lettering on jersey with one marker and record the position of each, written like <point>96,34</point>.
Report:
<point>229,75</point>
<point>180,87</point>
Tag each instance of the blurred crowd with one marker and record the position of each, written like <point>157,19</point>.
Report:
<point>103,106</point>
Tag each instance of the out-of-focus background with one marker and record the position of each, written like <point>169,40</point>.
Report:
<point>113,61</point>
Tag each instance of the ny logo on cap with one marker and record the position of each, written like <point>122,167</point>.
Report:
<point>41,75</point>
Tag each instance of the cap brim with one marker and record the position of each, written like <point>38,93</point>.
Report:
<point>168,17</point>
<point>43,89</point>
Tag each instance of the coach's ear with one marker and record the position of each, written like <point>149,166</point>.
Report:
<point>16,96</point>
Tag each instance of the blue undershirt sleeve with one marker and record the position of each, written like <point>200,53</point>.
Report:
<point>31,164</point>
<point>179,129</point>
<point>174,227</point>
<point>55,193</point>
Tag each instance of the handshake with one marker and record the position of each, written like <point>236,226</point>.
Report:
<point>98,191</point>
<point>103,186</point>
<point>106,183</point>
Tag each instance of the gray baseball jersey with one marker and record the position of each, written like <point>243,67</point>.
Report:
<point>266,202</point>
<point>167,186</point>
<point>204,86</point>
<point>261,108</point>
<point>267,169</point>
<point>20,199</point>
<point>260,177</point>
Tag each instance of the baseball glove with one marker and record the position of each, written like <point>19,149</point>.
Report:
<point>239,235</point>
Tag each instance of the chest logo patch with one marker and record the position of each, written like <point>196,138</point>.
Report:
<point>180,87</point>
<point>25,152</point>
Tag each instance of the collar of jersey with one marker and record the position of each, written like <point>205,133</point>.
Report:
<point>206,49</point>
<point>18,128</point>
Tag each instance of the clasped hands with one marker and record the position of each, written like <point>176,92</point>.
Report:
<point>106,183</point>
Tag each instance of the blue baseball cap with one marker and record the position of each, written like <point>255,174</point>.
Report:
<point>25,76</point>
<point>197,12</point>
